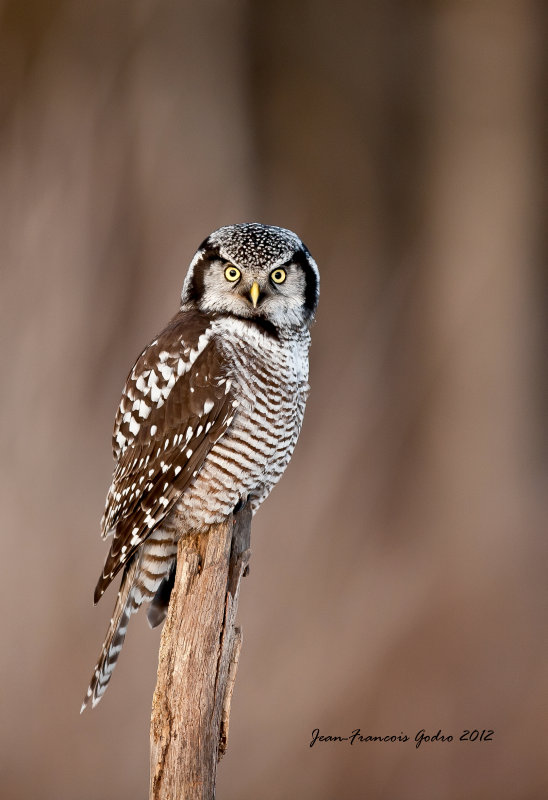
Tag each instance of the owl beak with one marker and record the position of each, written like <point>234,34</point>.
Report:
<point>254,293</point>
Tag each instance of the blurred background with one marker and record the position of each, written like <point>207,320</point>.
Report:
<point>398,579</point>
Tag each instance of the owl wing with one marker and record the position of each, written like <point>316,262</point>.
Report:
<point>177,402</point>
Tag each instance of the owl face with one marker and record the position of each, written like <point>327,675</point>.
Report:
<point>256,272</point>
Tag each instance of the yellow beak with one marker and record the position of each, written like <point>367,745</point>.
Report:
<point>254,293</point>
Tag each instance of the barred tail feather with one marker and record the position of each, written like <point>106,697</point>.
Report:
<point>157,609</point>
<point>124,608</point>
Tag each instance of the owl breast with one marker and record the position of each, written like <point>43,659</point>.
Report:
<point>270,379</point>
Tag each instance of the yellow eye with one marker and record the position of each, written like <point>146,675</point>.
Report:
<point>279,275</point>
<point>232,274</point>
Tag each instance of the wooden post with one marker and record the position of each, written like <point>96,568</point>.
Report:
<point>198,661</point>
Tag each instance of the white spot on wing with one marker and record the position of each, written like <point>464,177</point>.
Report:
<point>169,385</point>
<point>141,385</point>
<point>155,394</point>
<point>166,371</point>
<point>144,410</point>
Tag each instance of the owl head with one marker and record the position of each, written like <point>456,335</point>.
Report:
<point>256,272</point>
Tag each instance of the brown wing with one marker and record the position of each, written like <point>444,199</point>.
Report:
<point>177,403</point>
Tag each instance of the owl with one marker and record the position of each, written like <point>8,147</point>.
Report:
<point>209,415</point>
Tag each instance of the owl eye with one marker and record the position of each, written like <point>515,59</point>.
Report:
<point>279,275</point>
<point>232,274</point>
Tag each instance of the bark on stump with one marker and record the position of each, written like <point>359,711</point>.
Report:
<point>198,661</point>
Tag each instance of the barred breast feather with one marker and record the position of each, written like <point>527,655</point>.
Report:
<point>270,380</point>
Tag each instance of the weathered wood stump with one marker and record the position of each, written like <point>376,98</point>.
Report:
<point>198,660</point>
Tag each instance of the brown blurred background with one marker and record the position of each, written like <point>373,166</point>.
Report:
<point>399,572</point>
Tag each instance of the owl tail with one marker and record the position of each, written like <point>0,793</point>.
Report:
<point>124,608</point>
